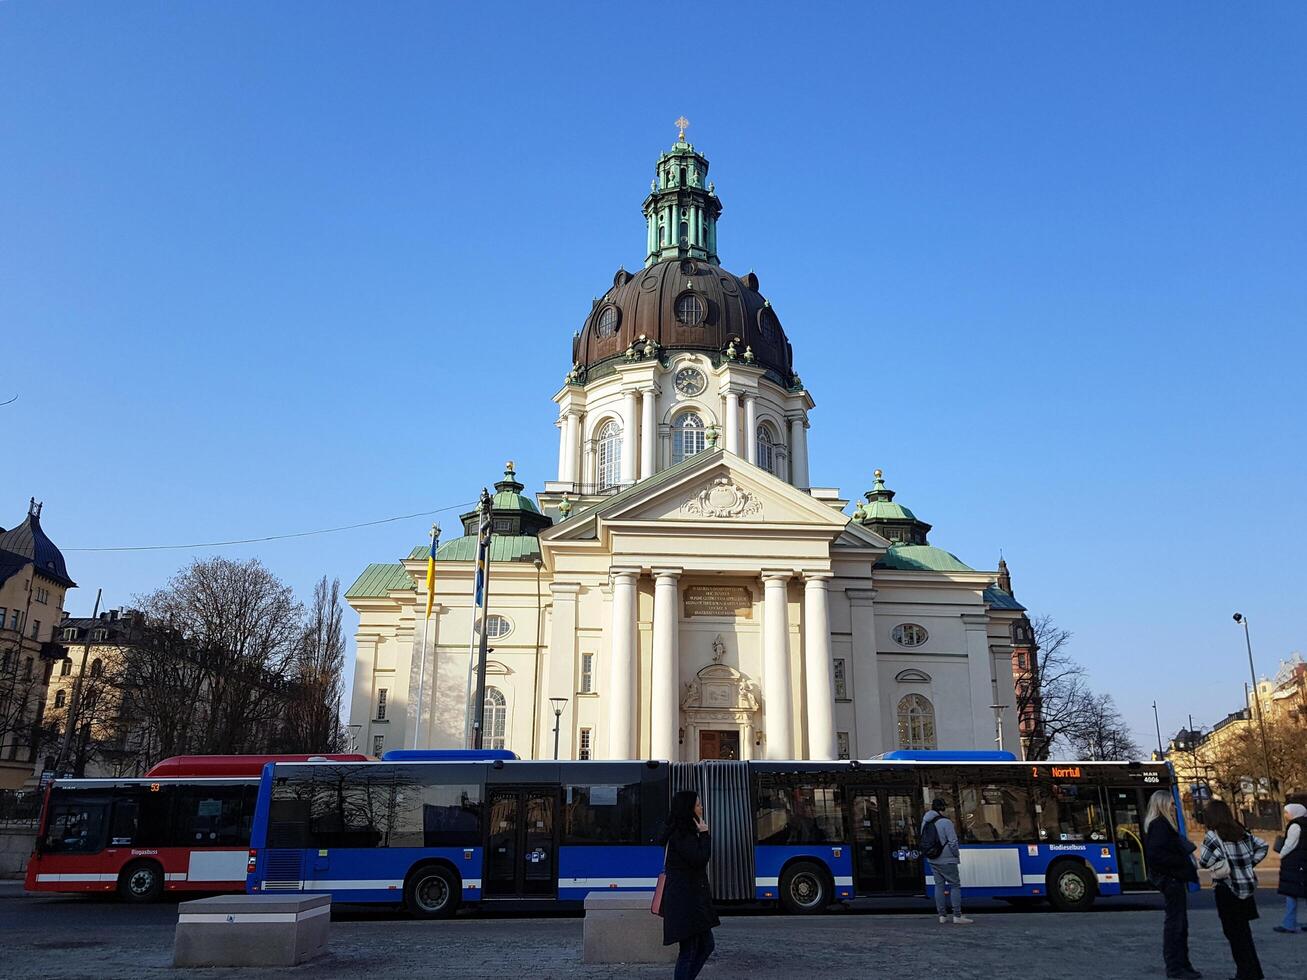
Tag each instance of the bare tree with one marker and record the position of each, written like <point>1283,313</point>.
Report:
<point>164,699</point>
<point>242,628</point>
<point>319,665</point>
<point>22,682</point>
<point>1100,732</point>
<point>1055,692</point>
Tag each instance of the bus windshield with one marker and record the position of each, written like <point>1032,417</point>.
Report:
<point>75,824</point>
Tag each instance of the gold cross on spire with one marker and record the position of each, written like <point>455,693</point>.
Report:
<point>682,124</point>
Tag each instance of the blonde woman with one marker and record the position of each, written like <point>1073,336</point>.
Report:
<point>1171,868</point>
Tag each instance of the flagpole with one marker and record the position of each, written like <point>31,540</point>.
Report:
<point>478,730</point>
<point>426,625</point>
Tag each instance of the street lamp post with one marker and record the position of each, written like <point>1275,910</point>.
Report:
<point>559,704</point>
<point>1242,620</point>
<point>998,723</point>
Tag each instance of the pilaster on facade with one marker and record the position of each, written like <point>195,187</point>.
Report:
<point>980,673</point>
<point>870,733</point>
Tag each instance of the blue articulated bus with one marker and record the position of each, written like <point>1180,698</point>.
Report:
<point>435,831</point>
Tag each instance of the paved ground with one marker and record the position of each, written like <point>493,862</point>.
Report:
<point>79,937</point>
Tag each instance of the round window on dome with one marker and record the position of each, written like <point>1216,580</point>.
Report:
<point>608,320</point>
<point>909,635</point>
<point>689,309</point>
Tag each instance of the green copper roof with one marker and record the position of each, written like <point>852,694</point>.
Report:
<point>503,547</point>
<point>513,500</point>
<point>922,558</point>
<point>379,580</point>
<point>886,510</point>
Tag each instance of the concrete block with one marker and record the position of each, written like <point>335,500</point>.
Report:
<point>251,930</point>
<point>619,928</point>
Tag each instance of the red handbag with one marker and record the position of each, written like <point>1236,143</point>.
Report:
<point>656,906</point>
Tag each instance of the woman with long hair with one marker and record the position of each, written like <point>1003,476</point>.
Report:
<point>1171,868</point>
<point>688,916</point>
<point>1231,853</point>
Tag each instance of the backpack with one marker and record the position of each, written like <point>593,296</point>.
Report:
<point>931,844</point>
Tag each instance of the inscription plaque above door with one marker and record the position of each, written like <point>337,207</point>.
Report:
<point>723,601</point>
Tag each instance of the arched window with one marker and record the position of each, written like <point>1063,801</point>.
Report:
<point>610,455</point>
<point>59,698</point>
<point>916,723</point>
<point>97,667</point>
<point>687,437</point>
<point>496,719</point>
<point>766,448</point>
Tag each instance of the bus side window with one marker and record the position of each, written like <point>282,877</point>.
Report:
<point>997,812</point>
<point>122,828</point>
<point>1069,812</point>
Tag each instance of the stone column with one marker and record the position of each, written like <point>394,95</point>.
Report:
<point>979,664</point>
<point>732,422</point>
<point>870,726</point>
<point>572,448</point>
<point>620,689</point>
<point>818,668</point>
<point>562,447</point>
<point>776,665</point>
<point>648,433</point>
<point>630,426</point>
<point>751,429</point>
<point>559,673</point>
<point>799,452</point>
<point>664,711</point>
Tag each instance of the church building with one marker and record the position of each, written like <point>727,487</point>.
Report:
<point>682,590</point>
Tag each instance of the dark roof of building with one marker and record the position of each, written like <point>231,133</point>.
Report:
<point>730,311</point>
<point>120,627</point>
<point>28,543</point>
<point>998,598</point>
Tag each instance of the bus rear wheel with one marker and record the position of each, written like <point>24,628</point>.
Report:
<point>805,889</point>
<point>1070,888</point>
<point>141,882</point>
<point>432,892</point>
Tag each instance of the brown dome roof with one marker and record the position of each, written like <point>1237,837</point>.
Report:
<point>719,306</point>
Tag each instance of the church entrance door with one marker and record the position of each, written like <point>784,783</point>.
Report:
<point>719,744</point>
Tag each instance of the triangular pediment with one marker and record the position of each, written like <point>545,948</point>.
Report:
<point>720,488</point>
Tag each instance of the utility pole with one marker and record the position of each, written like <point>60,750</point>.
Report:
<point>73,702</point>
<point>1161,754</point>
<point>1242,620</point>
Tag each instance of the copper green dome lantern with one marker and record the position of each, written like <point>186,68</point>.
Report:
<point>890,520</point>
<point>681,210</point>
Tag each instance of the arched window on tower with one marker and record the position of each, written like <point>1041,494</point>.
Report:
<point>768,454</point>
<point>609,472</point>
<point>496,720</point>
<point>687,437</point>
<point>916,723</point>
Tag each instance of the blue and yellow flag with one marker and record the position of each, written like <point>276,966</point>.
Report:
<point>483,556</point>
<point>431,575</point>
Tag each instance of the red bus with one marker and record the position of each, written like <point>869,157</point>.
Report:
<point>184,826</point>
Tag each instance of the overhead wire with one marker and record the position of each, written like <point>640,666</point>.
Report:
<point>278,537</point>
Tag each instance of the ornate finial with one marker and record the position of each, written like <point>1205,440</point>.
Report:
<point>508,469</point>
<point>878,474</point>
<point>711,435</point>
<point>682,124</point>
<point>565,507</point>
<point>749,357</point>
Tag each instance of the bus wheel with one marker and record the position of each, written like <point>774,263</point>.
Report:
<point>432,892</point>
<point>141,881</point>
<point>805,889</point>
<point>1070,888</point>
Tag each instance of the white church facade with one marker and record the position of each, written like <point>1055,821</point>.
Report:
<point>682,591</point>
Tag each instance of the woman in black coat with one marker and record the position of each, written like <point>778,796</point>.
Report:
<point>1170,868</point>
<point>1293,866</point>
<point>688,916</point>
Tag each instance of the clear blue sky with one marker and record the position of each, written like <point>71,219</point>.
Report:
<point>274,267</point>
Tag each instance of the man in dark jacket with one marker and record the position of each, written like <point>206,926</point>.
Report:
<point>1171,869</point>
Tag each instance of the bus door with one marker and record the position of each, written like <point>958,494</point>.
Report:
<point>1128,805</point>
<point>521,842</point>
<point>885,856</point>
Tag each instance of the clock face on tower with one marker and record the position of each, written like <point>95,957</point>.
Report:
<point>689,381</point>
